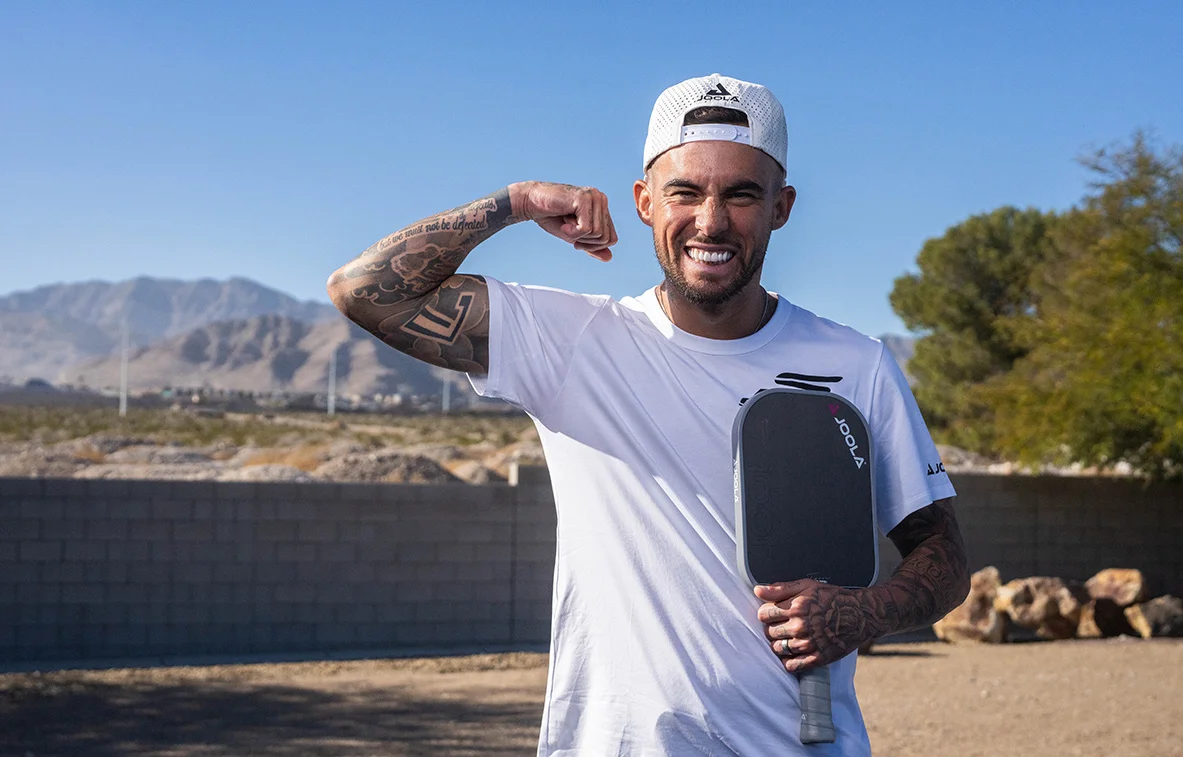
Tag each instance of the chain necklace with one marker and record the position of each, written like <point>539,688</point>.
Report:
<point>764,312</point>
<point>665,306</point>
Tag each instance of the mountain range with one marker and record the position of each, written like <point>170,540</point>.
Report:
<point>235,334</point>
<point>270,353</point>
<point>49,329</point>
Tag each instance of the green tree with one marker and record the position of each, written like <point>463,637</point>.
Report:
<point>1102,378</point>
<point>972,293</point>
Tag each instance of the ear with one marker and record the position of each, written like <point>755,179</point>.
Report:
<point>644,201</point>
<point>784,206</point>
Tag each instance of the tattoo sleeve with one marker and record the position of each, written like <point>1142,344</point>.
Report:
<point>932,579</point>
<point>405,290</point>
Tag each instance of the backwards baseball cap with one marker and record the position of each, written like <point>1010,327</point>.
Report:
<point>765,131</point>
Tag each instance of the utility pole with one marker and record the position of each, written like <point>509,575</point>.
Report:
<point>332,381</point>
<point>123,371</point>
<point>447,401</point>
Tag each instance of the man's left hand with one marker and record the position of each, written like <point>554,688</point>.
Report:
<point>811,623</point>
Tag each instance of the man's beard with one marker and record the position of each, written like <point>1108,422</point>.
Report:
<point>674,277</point>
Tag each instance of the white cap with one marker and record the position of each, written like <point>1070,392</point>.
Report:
<point>766,128</point>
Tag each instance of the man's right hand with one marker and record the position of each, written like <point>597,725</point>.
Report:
<point>576,215</point>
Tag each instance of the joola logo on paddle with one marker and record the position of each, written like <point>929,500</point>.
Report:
<point>844,429</point>
<point>719,92</point>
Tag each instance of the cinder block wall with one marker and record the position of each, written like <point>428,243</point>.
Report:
<point>1068,527</point>
<point>115,569</point>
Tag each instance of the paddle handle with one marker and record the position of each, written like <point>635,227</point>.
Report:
<point>817,722</point>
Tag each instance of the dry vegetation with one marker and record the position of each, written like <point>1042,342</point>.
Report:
<point>97,443</point>
<point>50,425</point>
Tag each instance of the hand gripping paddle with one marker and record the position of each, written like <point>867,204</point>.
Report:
<point>805,508</point>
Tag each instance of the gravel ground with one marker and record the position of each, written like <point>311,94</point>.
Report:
<point>1113,697</point>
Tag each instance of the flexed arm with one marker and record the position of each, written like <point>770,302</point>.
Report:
<point>405,290</point>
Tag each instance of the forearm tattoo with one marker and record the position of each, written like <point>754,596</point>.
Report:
<point>404,289</point>
<point>932,579</point>
<point>834,621</point>
<point>837,621</point>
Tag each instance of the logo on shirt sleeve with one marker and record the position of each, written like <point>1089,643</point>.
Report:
<point>935,469</point>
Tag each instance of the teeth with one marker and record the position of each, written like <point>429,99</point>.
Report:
<point>710,257</point>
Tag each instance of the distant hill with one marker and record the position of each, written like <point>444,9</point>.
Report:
<point>901,348</point>
<point>48,329</point>
<point>270,353</point>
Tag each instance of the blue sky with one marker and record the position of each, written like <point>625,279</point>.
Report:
<point>276,140</point>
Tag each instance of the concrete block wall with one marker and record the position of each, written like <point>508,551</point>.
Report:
<point>1068,527</point>
<point>129,569</point>
<point>117,569</point>
<point>534,554</point>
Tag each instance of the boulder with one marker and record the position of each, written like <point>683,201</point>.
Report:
<point>1124,586</point>
<point>976,619</point>
<point>1159,617</point>
<point>1049,606</point>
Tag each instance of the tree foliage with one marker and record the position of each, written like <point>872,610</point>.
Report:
<point>974,283</point>
<point>1076,352</point>
<point>1102,382</point>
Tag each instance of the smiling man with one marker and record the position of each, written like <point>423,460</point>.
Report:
<point>658,645</point>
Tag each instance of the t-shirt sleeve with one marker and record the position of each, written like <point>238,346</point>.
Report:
<point>533,334</point>
<point>908,471</point>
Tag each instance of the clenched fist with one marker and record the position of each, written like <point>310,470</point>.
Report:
<point>576,215</point>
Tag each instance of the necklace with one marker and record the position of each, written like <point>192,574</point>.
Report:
<point>663,301</point>
<point>764,312</point>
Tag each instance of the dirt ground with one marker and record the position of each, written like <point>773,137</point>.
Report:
<point>1115,698</point>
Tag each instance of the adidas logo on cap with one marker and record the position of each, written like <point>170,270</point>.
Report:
<point>719,93</point>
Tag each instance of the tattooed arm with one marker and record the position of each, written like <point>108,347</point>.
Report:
<point>405,290</point>
<point>809,623</point>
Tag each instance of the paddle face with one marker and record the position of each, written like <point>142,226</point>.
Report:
<point>804,492</point>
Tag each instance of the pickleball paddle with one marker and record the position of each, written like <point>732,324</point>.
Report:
<point>805,507</point>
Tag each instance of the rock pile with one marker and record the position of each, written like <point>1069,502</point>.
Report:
<point>100,456</point>
<point>389,466</point>
<point>1111,603</point>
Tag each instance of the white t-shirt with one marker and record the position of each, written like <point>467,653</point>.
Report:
<point>655,644</point>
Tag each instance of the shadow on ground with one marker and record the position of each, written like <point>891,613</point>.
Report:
<point>218,718</point>
<point>895,652</point>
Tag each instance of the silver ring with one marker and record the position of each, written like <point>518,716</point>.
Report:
<point>784,648</point>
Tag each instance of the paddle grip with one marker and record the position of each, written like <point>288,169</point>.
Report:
<point>817,723</point>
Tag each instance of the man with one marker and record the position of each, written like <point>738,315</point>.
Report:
<point>658,645</point>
